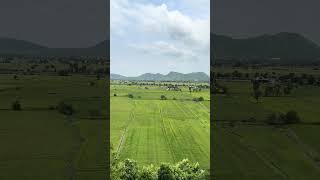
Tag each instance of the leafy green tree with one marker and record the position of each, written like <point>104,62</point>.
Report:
<point>165,172</point>
<point>148,173</point>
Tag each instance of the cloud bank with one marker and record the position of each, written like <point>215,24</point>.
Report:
<point>160,29</point>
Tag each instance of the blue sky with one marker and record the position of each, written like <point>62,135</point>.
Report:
<point>159,36</point>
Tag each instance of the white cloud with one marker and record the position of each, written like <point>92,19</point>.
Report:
<point>166,31</point>
<point>166,49</point>
<point>159,21</point>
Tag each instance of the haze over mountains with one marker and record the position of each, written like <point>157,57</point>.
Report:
<point>21,47</point>
<point>285,47</point>
<point>172,76</point>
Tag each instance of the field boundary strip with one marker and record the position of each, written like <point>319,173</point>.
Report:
<point>122,138</point>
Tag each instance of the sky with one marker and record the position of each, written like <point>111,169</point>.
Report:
<point>242,18</point>
<point>159,36</point>
<point>55,23</point>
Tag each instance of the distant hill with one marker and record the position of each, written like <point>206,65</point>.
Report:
<point>172,76</point>
<point>284,46</point>
<point>21,47</point>
<point>13,46</point>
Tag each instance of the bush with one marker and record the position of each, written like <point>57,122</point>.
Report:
<point>198,99</point>
<point>16,105</point>
<point>63,73</point>
<point>130,95</point>
<point>174,98</point>
<point>163,97</point>
<point>65,109</point>
<point>114,94</point>
<point>291,117</point>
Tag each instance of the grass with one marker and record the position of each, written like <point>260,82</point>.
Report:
<point>39,143</point>
<point>153,131</point>
<point>254,150</point>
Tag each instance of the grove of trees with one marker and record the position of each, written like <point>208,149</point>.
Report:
<point>131,170</point>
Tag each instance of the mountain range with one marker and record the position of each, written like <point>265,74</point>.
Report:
<point>172,76</point>
<point>22,47</point>
<point>284,46</point>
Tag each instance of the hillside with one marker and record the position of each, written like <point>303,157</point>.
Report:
<point>284,46</point>
<point>172,76</point>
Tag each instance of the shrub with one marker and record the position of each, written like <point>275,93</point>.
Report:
<point>91,83</point>
<point>16,105</point>
<point>174,98</point>
<point>292,117</point>
<point>130,95</point>
<point>65,109</point>
<point>198,99</point>
<point>163,97</point>
<point>114,94</point>
<point>63,73</point>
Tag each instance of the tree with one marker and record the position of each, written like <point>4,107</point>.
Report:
<point>16,105</point>
<point>126,170</point>
<point>165,172</point>
<point>257,94</point>
<point>148,173</point>
<point>292,117</point>
<point>187,170</point>
<point>183,170</point>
